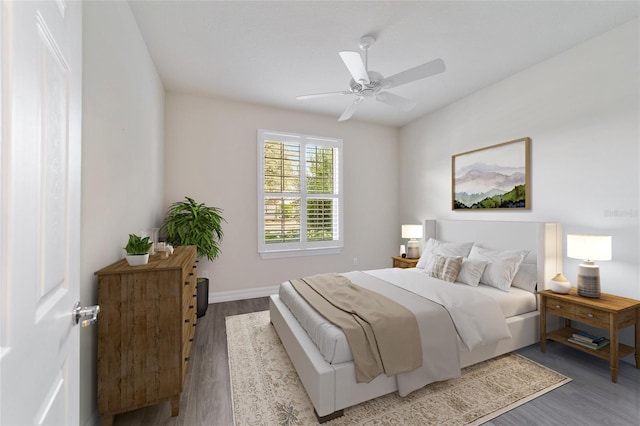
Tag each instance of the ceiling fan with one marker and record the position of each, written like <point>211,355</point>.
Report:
<point>370,84</point>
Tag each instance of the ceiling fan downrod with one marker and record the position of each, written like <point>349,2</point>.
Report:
<point>365,43</point>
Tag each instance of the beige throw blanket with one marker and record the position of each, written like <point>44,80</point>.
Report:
<point>383,335</point>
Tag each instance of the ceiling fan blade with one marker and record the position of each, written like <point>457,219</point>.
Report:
<point>416,73</point>
<point>356,67</point>
<point>322,95</point>
<point>350,110</point>
<point>396,101</point>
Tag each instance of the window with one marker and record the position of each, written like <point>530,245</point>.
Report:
<point>299,194</point>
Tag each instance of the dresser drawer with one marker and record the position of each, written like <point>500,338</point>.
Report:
<point>560,308</point>
<point>591,316</point>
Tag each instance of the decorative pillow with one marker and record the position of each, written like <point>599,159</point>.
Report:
<point>445,268</point>
<point>442,248</point>
<point>471,271</point>
<point>502,267</point>
<point>526,278</point>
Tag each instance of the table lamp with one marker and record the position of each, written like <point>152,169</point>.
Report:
<point>589,248</point>
<point>413,245</point>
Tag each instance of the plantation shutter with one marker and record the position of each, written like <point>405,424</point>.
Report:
<point>300,196</point>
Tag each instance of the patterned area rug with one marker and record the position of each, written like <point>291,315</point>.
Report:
<point>267,391</point>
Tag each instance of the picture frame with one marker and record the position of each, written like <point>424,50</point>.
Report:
<point>496,177</point>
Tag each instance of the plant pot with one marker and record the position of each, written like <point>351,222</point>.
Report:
<point>203,296</point>
<point>137,259</point>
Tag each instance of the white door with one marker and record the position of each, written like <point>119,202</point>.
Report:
<point>41,83</point>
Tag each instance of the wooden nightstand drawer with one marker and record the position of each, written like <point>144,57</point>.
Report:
<point>404,262</point>
<point>591,316</point>
<point>560,308</point>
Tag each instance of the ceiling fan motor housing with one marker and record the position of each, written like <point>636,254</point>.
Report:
<point>367,89</point>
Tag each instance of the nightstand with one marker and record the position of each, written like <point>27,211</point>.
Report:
<point>404,262</point>
<point>608,312</point>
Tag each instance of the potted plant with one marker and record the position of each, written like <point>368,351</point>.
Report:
<point>137,249</point>
<point>190,223</point>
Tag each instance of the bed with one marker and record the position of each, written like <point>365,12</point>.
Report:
<point>325,366</point>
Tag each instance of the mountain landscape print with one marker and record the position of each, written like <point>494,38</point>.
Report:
<point>495,177</point>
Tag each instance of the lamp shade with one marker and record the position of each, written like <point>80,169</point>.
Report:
<point>411,231</point>
<point>589,247</point>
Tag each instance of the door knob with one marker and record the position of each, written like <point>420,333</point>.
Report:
<point>90,312</point>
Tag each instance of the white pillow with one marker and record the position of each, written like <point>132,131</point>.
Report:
<point>526,278</point>
<point>426,252</point>
<point>502,267</point>
<point>471,271</point>
<point>442,248</point>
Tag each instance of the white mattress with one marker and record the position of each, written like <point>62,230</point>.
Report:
<point>332,343</point>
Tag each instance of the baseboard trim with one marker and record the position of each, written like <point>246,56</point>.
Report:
<point>249,293</point>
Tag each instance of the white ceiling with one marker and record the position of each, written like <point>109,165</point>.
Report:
<point>268,52</point>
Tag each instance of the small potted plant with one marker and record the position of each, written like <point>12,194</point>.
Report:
<point>137,249</point>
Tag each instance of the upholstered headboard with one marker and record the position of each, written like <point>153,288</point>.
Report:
<point>543,240</point>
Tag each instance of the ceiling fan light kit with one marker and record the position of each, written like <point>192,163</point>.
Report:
<point>371,84</point>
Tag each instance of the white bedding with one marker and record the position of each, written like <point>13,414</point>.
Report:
<point>476,317</point>
<point>331,341</point>
<point>514,302</point>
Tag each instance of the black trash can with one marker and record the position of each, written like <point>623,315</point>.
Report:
<point>203,296</point>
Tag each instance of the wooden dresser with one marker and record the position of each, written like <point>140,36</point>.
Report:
<point>145,331</point>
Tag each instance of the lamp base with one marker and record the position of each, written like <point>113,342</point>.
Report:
<point>413,249</point>
<point>589,280</point>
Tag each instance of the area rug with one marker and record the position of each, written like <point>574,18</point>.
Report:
<point>266,389</point>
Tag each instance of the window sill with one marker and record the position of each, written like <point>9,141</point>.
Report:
<point>298,253</point>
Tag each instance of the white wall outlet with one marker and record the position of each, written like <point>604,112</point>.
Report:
<point>355,261</point>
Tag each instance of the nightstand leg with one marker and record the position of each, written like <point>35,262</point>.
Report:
<point>543,326</point>
<point>638,338</point>
<point>613,352</point>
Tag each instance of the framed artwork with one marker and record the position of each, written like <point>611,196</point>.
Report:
<point>495,177</point>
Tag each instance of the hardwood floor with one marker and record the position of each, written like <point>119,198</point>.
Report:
<point>590,399</point>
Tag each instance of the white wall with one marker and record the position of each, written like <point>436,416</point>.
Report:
<point>122,155</point>
<point>211,156</point>
<point>581,110</point>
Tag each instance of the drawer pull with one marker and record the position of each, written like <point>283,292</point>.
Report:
<point>186,283</point>
<point>590,315</point>
<point>557,306</point>
<point>191,340</point>
<point>194,324</point>
<point>186,321</point>
<point>190,274</point>
<point>190,306</point>
<point>186,359</point>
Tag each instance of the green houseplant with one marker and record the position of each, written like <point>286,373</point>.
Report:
<point>137,249</point>
<point>190,223</point>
